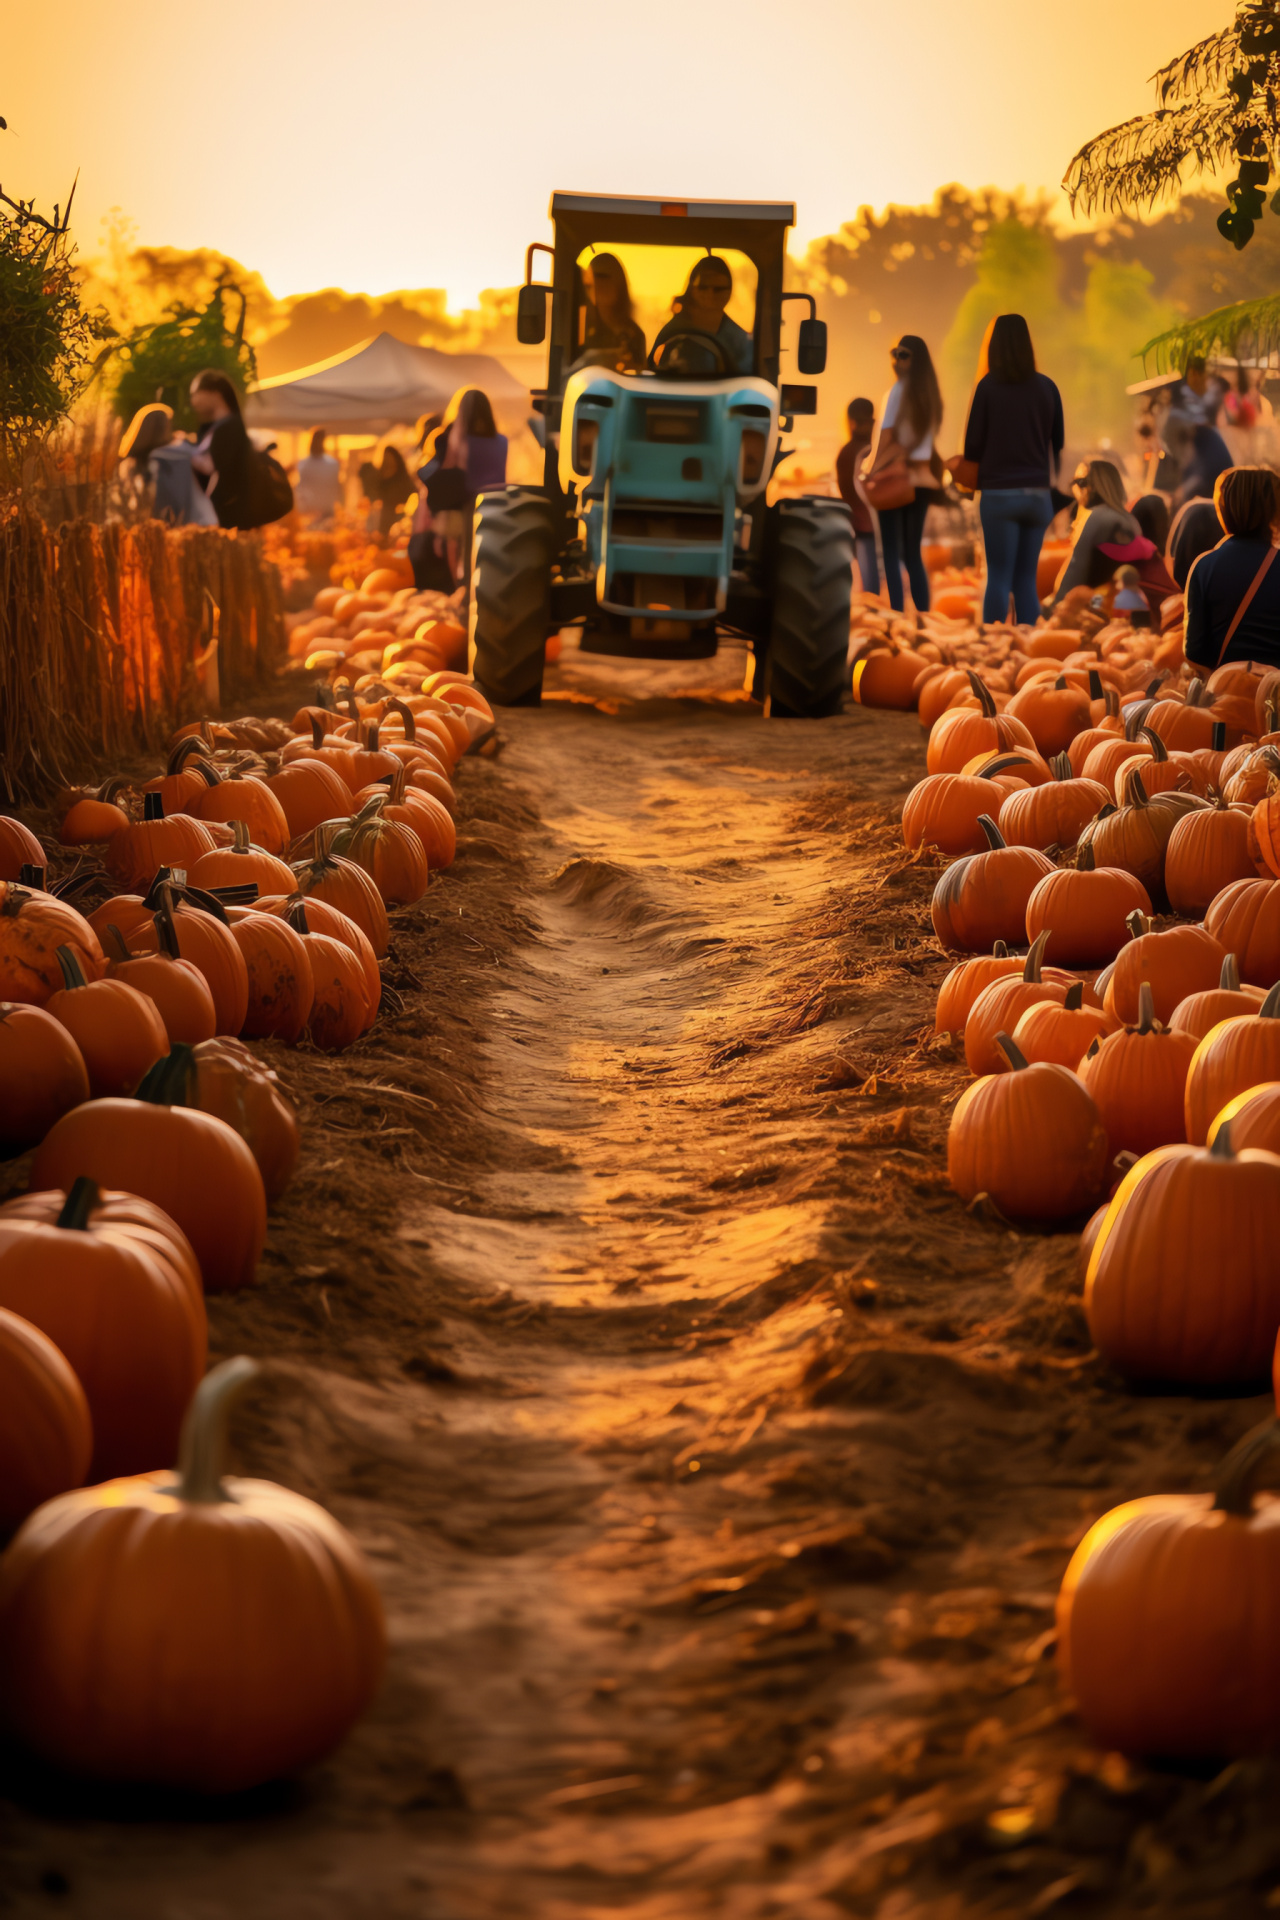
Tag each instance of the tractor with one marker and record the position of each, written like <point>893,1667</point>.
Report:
<point>651,530</point>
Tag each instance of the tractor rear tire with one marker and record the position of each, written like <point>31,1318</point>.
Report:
<point>807,664</point>
<point>513,547</point>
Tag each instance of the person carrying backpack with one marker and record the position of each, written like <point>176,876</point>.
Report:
<point>246,488</point>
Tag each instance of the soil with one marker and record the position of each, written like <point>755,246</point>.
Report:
<point>718,1470</point>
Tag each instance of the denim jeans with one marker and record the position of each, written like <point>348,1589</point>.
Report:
<point>868,565</point>
<point>1013,528</point>
<point>901,531</point>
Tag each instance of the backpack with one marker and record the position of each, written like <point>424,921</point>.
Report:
<point>271,493</point>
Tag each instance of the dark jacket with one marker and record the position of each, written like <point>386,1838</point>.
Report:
<point>846,471</point>
<point>1216,585</point>
<point>1015,431</point>
<point>231,451</point>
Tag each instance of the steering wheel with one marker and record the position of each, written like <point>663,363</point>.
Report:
<point>722,368</point>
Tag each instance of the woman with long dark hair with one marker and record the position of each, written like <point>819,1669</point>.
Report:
<point>470,446</point>
<point>1015,437</point>
<point>909,422</point>
<point>223,449</point>
<point>1103,532</point>
<point>701,308</point>
<point>611,335</point>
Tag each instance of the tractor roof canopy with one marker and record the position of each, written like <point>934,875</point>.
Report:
<point>755,227</point>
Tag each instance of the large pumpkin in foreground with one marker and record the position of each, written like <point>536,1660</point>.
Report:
<point>1166,1618</point>
<point>184,1631</point>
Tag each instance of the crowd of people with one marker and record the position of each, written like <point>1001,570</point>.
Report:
<point>1201,525</point>
<point>220,476</point>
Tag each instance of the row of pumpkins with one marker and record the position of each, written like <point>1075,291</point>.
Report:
<point>383,629</point>
<point>1080,797</point>
<point>160,1138</point>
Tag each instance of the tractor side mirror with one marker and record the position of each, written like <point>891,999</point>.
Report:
<point>798,399</point>
<point>531,316</point>
<point>811,348</point>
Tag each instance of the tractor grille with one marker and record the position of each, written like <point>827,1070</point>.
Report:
<point>668,525</point>
<point>673,422</point>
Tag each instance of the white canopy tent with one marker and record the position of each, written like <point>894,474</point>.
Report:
<point>380,384</point>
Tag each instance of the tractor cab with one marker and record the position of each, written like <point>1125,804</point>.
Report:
<point>663,407</point>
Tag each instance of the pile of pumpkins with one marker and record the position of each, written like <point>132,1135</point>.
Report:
<point>253,878</point>
<point>383,630</point>
<point>1118,821</point>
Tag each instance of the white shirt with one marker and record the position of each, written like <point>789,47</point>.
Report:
<point>319,488</point>
<point>889,418</point>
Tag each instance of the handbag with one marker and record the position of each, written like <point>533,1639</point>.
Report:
<point>889,487</point>
<point>1243,608</point>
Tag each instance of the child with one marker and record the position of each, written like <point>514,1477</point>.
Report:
<point>1130,601</point>
<point>861,416</point>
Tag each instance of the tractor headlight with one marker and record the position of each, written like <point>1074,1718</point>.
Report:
<point>585,435</point>
<point>753,446</point>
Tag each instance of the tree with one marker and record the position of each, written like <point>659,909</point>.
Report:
<point>1217,105</point>
<point>159,362</point>
<point>46,336</point>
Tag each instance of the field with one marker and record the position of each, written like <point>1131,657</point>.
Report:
<point>717,1468</point>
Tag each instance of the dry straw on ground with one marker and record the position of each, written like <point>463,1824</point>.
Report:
<point>100,627</point>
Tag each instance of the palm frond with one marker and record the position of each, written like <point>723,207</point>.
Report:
<point>1251,324</point>
<point>1200,68</point>
<point>1130,168</point>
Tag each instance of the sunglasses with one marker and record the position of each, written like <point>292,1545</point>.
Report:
<point>1081,480</point>
<point>712,286</point>
<point>899,353</point>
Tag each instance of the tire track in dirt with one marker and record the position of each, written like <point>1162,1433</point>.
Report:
<point>717,1470</point>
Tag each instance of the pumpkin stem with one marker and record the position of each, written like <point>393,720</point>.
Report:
<point>1229,978</point>
<point>1136,923</point>
<point>1218,738</point>
<point>1031,970</point>
<point>183,752</point>
<point>1075,997</point>
<point>204,1432</point>
<point>372,737</point>
<point>983,692</point>
<point>1012,1052</point>
<point>72,972</point>
<point>152,807</point>
<point>1085,862</point>
<point>1094,1048</point>
<point>296,915</point>
<point>1159,751</point>
<point>171,1081</point>
<point>80,1202</point>
<point>1221,1147</point>
<point>1270,1008</point>
<point>324,696</point>
<point>1195,694</point>
<point>116,939</point>
<point>995,839</point>
<point>1135,792</point>
<point>1000,951</point>
<point>407,715</point>
<point>1146,1008</point>
<point>1238,1471</point>
<point>1112,699</point>
<point>33,877</point>
<point>165,925</point>
<point>1095,684</point>
<point>240,829</point>
<point>1060,767</point>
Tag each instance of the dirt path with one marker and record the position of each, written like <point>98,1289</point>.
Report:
<point>717,1469</point>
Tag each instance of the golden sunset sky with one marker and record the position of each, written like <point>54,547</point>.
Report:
<point>413,143</point>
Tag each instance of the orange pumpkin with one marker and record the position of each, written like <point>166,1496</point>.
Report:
<point>33,925</point>
<point>204,938</point>
<point>340,1010</point>
<point>964,983</point>
<point>1053,814</point>
<point>1065,1031</point>
<point>179,990</point>
<point>309,791</point>
<point>322,918</point>
<point>389,851</point>
<point>1237,1054</point>
<point>224,1078</point>
<point>19,848</point>
<point>280,986</point>
<point>235,796</point>
<point>885,676</point>
<point>1254,1119</point>
<point>1183,1283</point>
<point>90,817</point>
<point>100,1668</point>
<point>1177,962</point>
<point>1085,911</point>
<point>114,1285</point>
<point>1245,919</point>
<point>46,1434</point>
<point>1053,711</point>
<point>241,864</point>
<point>999,1007</point>
<point>42,1075</point>
<point>943,810</point>
<point>963,732</point>
<point>1206,851</point>
<point>983,897</point>
<point>1030,1138</point>
<point>135,856</point>
<point>1199,1012</point>
<point>189,1164</point>
<point>1138,1079</point>
<point>1164,1618</point>
<point>346,886</point>
<point>1158,771</point>
<point>185,776</point>
<point>1136,835</point>
<point>117,1028</point>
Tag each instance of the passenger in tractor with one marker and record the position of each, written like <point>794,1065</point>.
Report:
<point>701,309</point>
<point>612,337</point>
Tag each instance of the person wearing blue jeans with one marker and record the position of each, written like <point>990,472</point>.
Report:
<point>1013,528</point>
<point>1015,436</point>
<point>901,533</point>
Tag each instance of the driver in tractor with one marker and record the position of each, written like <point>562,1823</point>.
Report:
<point>700,309</point>
<point>611,337</point>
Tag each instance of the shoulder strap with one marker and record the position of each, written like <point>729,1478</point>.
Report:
<point>1243,608</point>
